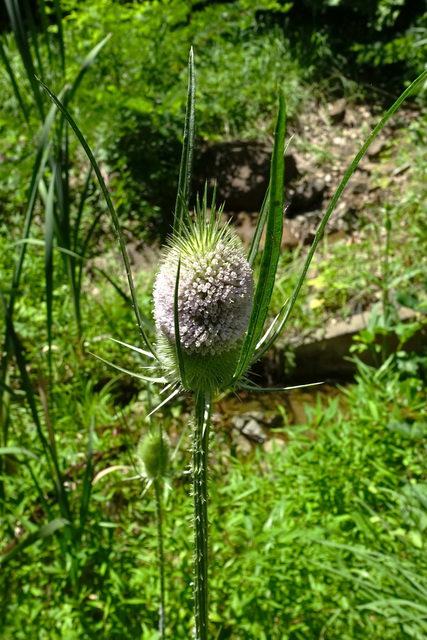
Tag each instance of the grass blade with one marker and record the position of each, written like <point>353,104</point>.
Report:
<point>271,251</point>
<point>83,199</point>
<point>49,452</point>
<point>87,482</point>
<point>58,13</point>
<point>13,82</point>
<point>17,22</point>
<point>14,451</point>
<point>252,387</point>
<point>45,28</point>
<point>42,156</point>
<point>111,209</point>
<point>31,33</point>
<point>45,531</point>
<point>48,239</point>
<point>184,181</point>
<point>87,62</point>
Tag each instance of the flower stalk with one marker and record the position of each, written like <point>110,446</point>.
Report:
<point>200,497</point>
<point>154,457</point>
<point>160,555</point>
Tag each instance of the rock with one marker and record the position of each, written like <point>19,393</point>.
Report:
<point>254,431</point>
<point>243,445</point>
<point>241,171</point>
<point>337,111</point>
<point>245,228</point>
<point>305,196</point>
<point>376,148</point>
<point>238,422</point>
<point>358,184</point>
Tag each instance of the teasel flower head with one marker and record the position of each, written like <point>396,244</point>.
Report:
<point>154,454</point>
<point>205,289</point>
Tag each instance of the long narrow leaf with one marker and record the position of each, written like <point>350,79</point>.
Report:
<point>13,82</point>
<point>48,237</point>
<point>252,387</point>
<point>42,156</point>
<point>82,203</point>
<point>41,243</point>
<point>86,64</point>
<point>58,13</point>
<point>45,531</point>
<point>178,347</point>
<point>270,256</point>
<point>17,22</point>
<point>87,482</point>
<point>28,388</point>
<point>14,451</point>
<point>32,33</point>
<point>45,28</point>
<point>184,181</point>
<point>262,218</point>
<point>111,210</point>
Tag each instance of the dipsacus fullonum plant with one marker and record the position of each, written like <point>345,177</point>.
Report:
<point>209,313</point>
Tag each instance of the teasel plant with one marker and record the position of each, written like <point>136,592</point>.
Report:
<point>210,314</point>
<point>154,461</point>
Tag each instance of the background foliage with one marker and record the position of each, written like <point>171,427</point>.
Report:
<point>325,537</point>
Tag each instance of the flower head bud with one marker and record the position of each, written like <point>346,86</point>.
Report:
<point>215,296</point>
<point>154,453</point>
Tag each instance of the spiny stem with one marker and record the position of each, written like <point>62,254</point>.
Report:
<point>200,490</point>
<point>160,557</point>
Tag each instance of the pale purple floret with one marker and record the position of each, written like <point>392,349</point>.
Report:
<point>214,299</point>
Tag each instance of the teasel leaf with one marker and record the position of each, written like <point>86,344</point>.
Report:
<point>270,255</point>
<point>185,171</point>
<point>253,249</point>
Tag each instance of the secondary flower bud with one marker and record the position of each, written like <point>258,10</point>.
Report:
<point>154,454</point>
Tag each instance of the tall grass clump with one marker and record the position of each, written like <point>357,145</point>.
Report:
<point>38,52</point>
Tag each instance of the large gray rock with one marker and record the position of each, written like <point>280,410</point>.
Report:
<point>241,171</point>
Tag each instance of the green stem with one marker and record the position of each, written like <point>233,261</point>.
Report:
<point>200,490</point>
<point>160,557</point>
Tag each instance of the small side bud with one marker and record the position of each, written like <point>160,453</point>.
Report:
<point>154,454</point>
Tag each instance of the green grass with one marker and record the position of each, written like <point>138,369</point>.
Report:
<point>317,536</point>
<point>271,575</point>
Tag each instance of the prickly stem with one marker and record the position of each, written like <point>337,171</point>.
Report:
<point>160,556</point>
<point>200,491</point>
